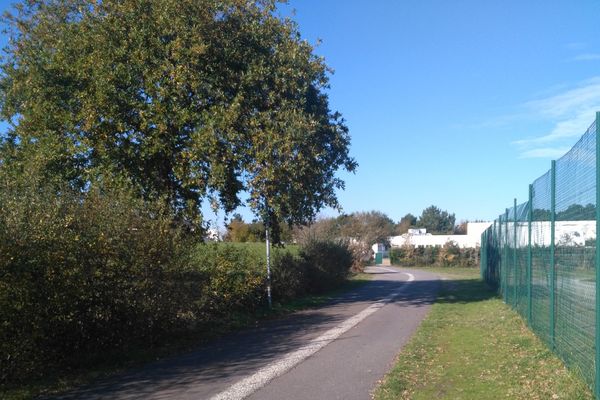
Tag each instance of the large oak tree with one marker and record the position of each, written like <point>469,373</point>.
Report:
<point>190,100</point>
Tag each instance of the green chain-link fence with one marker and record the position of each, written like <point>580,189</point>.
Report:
<point>542,256</point>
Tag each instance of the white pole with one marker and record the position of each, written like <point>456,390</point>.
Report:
<point>268,243</point>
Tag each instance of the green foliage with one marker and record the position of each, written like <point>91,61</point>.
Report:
<point>319,266</point>
<point>85,275</point>
<point>189,99</point>
<point>437,221</point>
<point>84,272</point>
<point>449,255</point>
<point>288,276</point>
<point>577,212</point>
<point>240,231</point>
<point>540,214</point>
<point>321,229</point>
<point>328,264</point>
<point>406,222</point>
<point>369,227</point>
<point>360,230</point>
<point>235,279</point>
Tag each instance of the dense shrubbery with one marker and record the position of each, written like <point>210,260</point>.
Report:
<point>86,274</point>
<point>327,264</point>
<point>80,273</point>
<point>355,232</point>
<point>449,255</point>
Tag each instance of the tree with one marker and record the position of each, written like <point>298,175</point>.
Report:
<point>322,229</point>
<point>360,230</point>
<point>437,221</point>
<point>367,227</point>
<point>189,99</point>
<point>238,230</point>
<point>405,223</point>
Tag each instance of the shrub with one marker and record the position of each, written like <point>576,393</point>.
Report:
<point>327,264</point>
<point>289,278</point>
<point>83,272</point>
<point>449,255</point>
<point>430,255</point>
<point>85,275</point>
<point>235,279</point>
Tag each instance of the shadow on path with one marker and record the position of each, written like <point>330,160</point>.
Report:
<point>224,361</point>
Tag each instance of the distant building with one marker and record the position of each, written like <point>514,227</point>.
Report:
<point>566,233</point>
<point>419,237</point>
<point>212,235</point>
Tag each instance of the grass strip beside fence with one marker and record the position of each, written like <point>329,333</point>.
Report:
<point>472,346</point>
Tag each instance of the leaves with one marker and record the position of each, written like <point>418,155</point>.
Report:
<point>190,99</point>
<point>437,221</point>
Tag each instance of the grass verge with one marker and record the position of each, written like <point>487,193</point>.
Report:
<point>472,346</point>
<point>57,382</point>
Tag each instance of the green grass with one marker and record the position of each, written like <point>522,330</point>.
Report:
<point>472,346</point>
<point>259,248</point>
<point>57,382</point>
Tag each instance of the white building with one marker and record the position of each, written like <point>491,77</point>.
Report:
<point>566,233</point>
<point>212,235</point>
<point>419,237</point>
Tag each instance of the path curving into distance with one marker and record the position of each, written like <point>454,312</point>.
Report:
<point>338,351</point>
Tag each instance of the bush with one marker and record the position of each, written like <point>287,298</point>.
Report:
<point>87,275</point>
<point>327,264</point>
<point>288,276</point>
<point>235,279</point>
<point>84,272</point>
<point>449,255</point>
<point>237,276</point>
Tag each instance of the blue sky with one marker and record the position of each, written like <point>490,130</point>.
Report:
<point>460,104</point>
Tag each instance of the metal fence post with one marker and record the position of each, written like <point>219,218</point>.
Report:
<point>529,258</point>
<point>482,256</point>
<point>501,255</point>
<point>552,248</point>
<point>597,333</point>
<point>494,244</point>
<point>506,263</point>
<point>515,254</point>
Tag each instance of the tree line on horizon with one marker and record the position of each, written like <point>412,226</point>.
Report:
<point>366,226</point>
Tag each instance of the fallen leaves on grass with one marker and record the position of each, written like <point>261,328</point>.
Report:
<point>472,346</point>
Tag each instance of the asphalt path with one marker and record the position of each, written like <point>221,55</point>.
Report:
<point>337,351</point>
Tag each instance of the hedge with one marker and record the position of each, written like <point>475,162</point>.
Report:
<point>84,276</point>
<point>449,255</point>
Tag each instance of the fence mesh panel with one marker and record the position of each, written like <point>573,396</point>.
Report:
<point>541,256</point>
<point>574,261</point>
<point>522,253</point>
